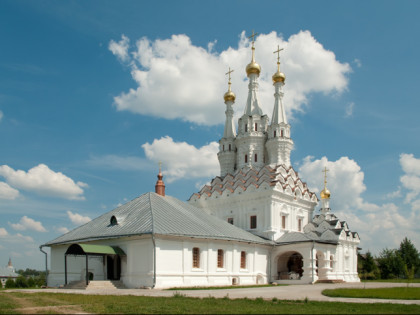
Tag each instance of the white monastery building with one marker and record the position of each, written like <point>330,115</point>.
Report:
<point>253,224</point>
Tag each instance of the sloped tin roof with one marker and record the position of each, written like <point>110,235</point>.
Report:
<point>161,215</point>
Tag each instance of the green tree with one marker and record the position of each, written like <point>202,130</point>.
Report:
<point>369,269</point>
<point>10,283</point>
<point>409,255</point>
<point>21,282</point>
<point>31,282</point>
<point>391,265</point>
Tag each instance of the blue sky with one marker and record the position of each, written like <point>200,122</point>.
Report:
<point>94,93</point>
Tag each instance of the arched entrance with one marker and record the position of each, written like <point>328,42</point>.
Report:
<point>290,266</point>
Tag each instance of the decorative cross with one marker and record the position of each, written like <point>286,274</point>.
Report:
<point>325,170</point>
<point>228,73</point>
<point>253,37</point>
<point>278,53</point>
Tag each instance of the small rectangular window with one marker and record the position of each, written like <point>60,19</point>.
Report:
<point>196,257</point>
<point>256,127</point>
<point>300,225</point>
<point>246,128</point>
<point>230,220</point>
<point>243,260</point>
<point>255,158</point>
<point>283,221</point>
<point>220,256</point>
<point>281,133</point>
<point>253,221</point>
<point>246,158</point>
<point>230,147</point>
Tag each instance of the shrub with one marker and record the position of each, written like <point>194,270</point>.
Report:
<point>21,282</point>
<point>10,283</point>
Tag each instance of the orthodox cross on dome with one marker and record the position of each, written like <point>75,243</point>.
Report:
<point>228,73</point>
<point>325,170</point>
<point>278,55</point>
<point>253,37</point>
<point>160,185</point>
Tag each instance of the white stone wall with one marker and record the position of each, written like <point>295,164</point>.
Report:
<point>175,263</point>
<point>266,203</point>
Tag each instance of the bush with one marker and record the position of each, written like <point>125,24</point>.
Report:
<point>31,282</point>
<point>21,282</point>
<point>10,283</point>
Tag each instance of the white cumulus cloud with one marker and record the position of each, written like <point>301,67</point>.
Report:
<point>411,179</point>
<point>26,223</point>
<point>178,80</point>
<point>182,160</point>
<point>3,232</point>
<point>62,229</point>
<point>7,192</point>
<point>44,181</point>
<point>78,219</point>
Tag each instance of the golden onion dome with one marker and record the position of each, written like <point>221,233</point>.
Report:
<point>279,77</point>
<point>253,67</point>
<point>325,193</point>
<point>229,96</point>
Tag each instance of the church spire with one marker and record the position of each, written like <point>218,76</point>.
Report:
<point>253,70</point>
<point>226,154</point>
<point>325,194</point>
<point>279,144</point>
<point>160,185</point>
<point>229,98</point>
<point>279,114</point>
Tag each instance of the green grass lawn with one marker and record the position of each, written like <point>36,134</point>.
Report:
<point>399,293</point>
<point>225,287</point>
<point>17,302</point>
<point>417,280</point>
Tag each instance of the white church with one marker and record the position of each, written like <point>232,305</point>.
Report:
<point>253,224</point>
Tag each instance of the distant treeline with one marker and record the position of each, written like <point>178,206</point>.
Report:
<point>403,263</point>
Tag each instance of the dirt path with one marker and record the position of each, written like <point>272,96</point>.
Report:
<point>26,306</point>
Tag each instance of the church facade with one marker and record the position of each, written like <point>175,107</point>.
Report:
<point>253,224</point>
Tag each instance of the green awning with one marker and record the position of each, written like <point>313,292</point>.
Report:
<point>90,249</point>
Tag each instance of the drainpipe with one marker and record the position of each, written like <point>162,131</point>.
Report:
<point>154,260</point>
<point>312,261</point>
<point>46,265</point>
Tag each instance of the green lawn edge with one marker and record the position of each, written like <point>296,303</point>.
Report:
<point>224,287</point>
<point>394,293</point>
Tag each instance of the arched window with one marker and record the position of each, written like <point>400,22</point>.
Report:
<point>300,225</point>
<point>255,157</point>
<point>196,257</point>
<point>246,158</point>
<point>243,260</point>
<point>230,147</point>
<point>283,222</point>
<point>332,262</point>
<point>275,133</point>
<point>220,258</point>
<point>281,133</point>
<point>256,127</point>
<point>246,128</point>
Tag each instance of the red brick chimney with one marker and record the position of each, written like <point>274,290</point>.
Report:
<point>160,185</point>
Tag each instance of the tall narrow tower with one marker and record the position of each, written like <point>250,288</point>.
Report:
<point>252,126</point>
<point>279,144</point>
<point>227,148</point>
<point>325,195</point>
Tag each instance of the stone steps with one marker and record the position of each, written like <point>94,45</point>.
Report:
<point>105,285</point>
<point>76,285</point>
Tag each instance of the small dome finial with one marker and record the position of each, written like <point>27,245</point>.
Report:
<point>229,95</point>
<point>253,67</point>
<point>325,193</point>
<point>160,185</point>
<point>278,76</point>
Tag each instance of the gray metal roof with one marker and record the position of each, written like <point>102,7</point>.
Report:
<point>6,272</point>
<point>152,213</point>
